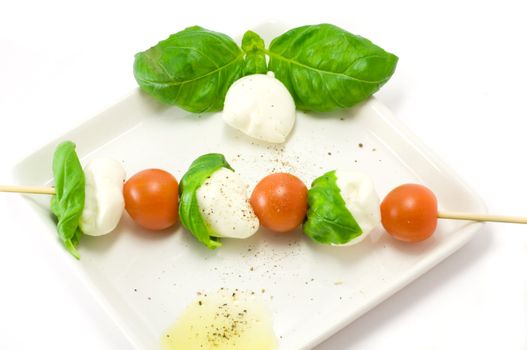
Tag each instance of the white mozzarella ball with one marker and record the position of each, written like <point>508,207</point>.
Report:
<point>260,106</point>
<point>361,200</point>
<point>224,205</point>
<point>104,201</point>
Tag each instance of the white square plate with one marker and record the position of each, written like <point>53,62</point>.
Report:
<point>145,280</point>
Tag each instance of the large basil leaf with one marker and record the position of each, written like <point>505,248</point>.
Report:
<point>327,68</point>
<point>189,212</point>
<point>328,219</point>
<point>68,202</point>
<point>192,69</point>
<point>254,48</point>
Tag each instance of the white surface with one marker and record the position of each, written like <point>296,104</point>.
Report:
<point>460,63</point>
<point>146,280</point>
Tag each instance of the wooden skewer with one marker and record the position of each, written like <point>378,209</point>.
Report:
<point>28,189</point>
<point>440,215</point>
<point>482,217</point>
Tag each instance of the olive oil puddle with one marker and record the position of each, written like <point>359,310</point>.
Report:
<point>224,320</point>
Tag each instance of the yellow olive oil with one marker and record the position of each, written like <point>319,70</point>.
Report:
<point>225,320</point>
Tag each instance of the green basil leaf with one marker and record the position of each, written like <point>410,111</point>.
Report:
<point>192,69</point>
<point>328,219</point>
<point>254,48</point>
<point>327,68</point>
<point>68,202</point>
<point>189,212</point>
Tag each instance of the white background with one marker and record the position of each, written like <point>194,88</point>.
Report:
<point>460,86</point>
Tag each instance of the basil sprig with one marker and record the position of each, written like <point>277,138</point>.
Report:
<point>68,202</point>
<point>189,212</point>
<point>324,67</point>
<point>328,219</point>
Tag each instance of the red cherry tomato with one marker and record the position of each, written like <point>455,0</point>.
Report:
<point>409,213</point>
<point>151,198</point>
<point>280,202</point>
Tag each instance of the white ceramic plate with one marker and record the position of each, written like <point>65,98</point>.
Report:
<point>145,280</point>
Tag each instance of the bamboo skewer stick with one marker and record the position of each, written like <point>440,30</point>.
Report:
<point>482,217</point>
<point>28,189</point>
<point>440,215</point>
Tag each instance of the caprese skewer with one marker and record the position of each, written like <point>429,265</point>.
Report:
<point>340,208</point>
